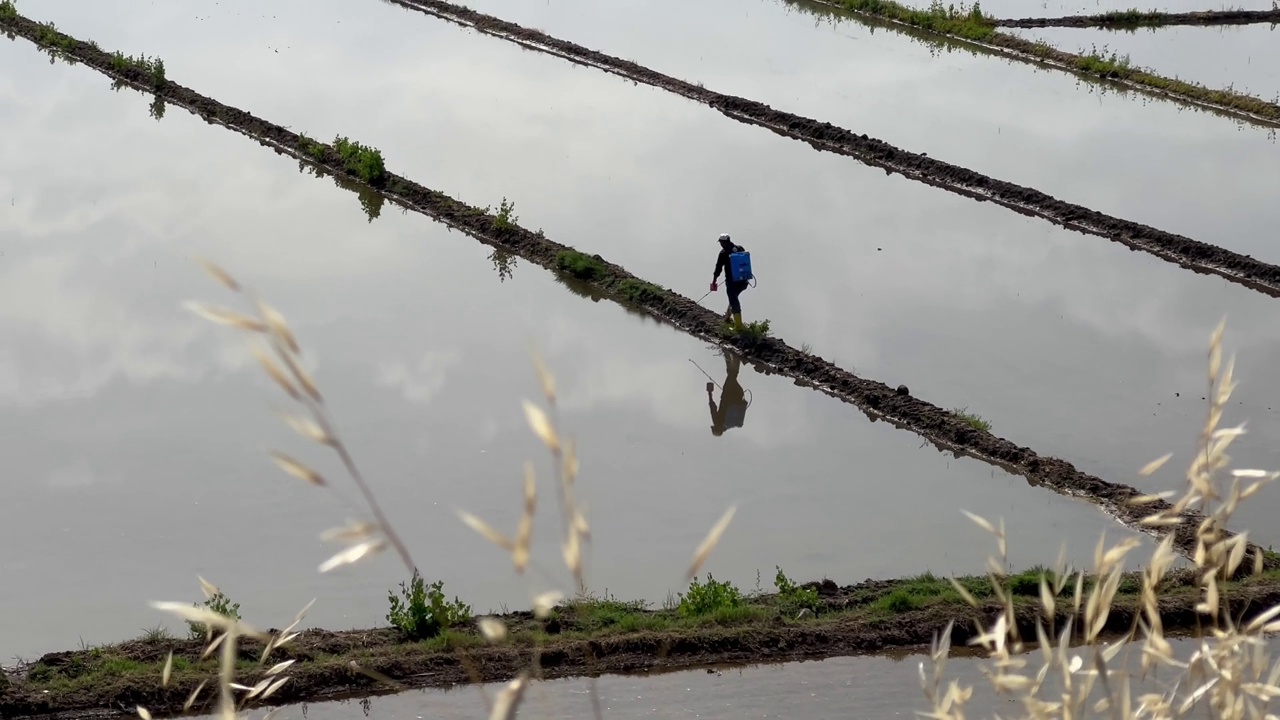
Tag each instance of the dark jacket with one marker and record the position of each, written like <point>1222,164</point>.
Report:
<point>722,264</point>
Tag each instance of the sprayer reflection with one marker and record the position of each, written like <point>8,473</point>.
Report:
<point>734,401</point>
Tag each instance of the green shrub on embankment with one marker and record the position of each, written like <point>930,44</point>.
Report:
<point>422,613</point>
<point>711,614</point>
<point>970,24</point>
<point>8,10</point>
<point>363,161</point>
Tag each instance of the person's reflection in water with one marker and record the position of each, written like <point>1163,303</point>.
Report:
<point>732,411</point>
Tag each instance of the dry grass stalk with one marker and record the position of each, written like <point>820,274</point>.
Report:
<point>1229,675</point>
<point>284,366</point>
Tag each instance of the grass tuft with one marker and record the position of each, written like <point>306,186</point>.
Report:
<point>968,23</point>
<point>973,420</point>
<point>754,330</point>
<point>639,291</point>
<point>580,265</point>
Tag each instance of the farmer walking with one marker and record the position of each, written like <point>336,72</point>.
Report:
<point>733,403</point>
<point>733,285</point>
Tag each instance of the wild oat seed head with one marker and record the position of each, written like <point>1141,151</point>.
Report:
<point>225,316</point>
<point>709,543</point>
<point>217,273</point>
<point>271,689</point>
<point>544,603</point>
<point>981,522</point>
<point>541,426</point>
<point>545,379</point>
<point>297,469</point>
<point>191,699</point>
<point>209,589</point>
<point>307,428</point>
<point>508,699</point>
<point>277,326</point>
<point>351,532</point>
<point>1155,465</point>
<point>206,617</point>
<point>963,592</point>
<point>167,670</point>
<point>354,554</point>
<point>300,374</point>
<point>273,371</point>
<point>492,629</point>
<point>486,530</point>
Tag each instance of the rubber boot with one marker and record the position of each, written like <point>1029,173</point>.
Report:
<point>737,321</point>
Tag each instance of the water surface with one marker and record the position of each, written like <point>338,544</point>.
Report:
<point>1067,343</point>
<point>869,686</point>
<point>1070,344</point>
<point>1245,58</point>
<point>136,433</point>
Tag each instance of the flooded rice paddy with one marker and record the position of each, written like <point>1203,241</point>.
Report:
<point>860,686</point>
<point>1067,343</point>
<point>1245,58</point>
<point>137,434</point>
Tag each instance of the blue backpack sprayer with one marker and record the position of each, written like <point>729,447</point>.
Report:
<point>738,270</point>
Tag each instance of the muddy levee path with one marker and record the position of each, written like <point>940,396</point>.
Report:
<point>876,399</point>
<point>1184,251</point>
<point>591,637</point>
<point>1153,18</point>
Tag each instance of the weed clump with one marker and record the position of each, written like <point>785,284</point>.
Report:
<point>153,68</point>
<point>754,330</point>
<point>219,603</point>
<point>973,420</point>
<point>311,148</point>
<point>970,23</point>
<point>709,598</point>
<point>505,218</point>
<point>580,265</point>
<point>155,634</point>
<point>361,160</point>
<point>791,597</point>
<point>8,10</point>
<point>639,291</point>
<point>424,613</point>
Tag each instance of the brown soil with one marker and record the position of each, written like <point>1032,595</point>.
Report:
<point>878,400</point>
<point>1148,19</point>
<point>61,684</point>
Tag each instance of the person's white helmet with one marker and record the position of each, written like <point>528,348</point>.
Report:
<point>724,237</point>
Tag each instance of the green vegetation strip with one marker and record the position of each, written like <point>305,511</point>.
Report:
<point>974,26</point>
<point>961,432</point>
<point>713,622</point>
<point>1135,18</point>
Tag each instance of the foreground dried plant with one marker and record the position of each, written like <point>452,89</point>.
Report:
<point>1229,675</point>
<point>282,362</point>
